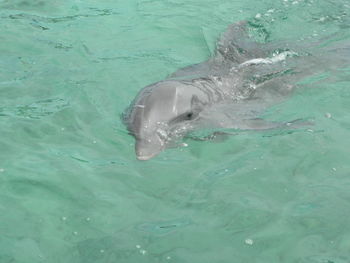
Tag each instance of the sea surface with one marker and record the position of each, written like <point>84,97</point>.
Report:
<point>71,189</point>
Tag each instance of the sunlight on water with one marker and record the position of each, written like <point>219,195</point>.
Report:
<point>71,188</point>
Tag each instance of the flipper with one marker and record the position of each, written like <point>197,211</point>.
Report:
<point>261,124</point>
<point>251,125</point>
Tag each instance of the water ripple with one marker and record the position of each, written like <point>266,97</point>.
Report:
<point>36,110</point>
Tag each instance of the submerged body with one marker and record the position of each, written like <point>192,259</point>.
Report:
<point>228,91</point>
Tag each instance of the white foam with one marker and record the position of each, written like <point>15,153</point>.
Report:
<point>276,58</point>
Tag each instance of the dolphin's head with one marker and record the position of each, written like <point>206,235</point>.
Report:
<point>161,113</point>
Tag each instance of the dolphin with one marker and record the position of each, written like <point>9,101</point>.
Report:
<point>228,91</point>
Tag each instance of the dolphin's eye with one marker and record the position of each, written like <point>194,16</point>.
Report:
<point>189,115</point>
<point>184,117</point>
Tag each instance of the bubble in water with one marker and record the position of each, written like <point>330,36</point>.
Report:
<point>249,241</point>
<point>328,115</point>
<point>2,170</point>
<point>162,133</point>
<point>138,246</point>
<point>334,169</point>
<point>64,218</point>
<point>102,251</point>
<point>143,252</point>
<point>168,258</point>
<point>88,219</point>
<point>75,233</point>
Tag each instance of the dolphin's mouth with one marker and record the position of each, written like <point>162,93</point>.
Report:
<point>147,149</point>
<point>145,157</point>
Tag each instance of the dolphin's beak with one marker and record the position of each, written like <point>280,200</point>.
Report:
<point>146,150</point>
<point>144,157</point>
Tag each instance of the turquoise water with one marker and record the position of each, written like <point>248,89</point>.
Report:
<point>71,189</point>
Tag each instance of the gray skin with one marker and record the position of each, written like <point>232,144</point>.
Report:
<point>228,91</point>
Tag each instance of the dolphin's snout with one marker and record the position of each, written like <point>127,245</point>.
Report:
<point>144,157</point>
<point>147,149</point>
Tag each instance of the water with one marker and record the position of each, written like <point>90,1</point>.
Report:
<point>71,188</point>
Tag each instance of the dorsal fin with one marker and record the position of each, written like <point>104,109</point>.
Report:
<point>236,46</point>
